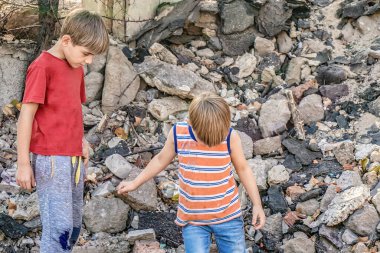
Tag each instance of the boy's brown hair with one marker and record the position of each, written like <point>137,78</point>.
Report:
<point>210,118</point>
<point>86,29</point>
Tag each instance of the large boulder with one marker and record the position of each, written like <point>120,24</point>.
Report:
<point>172,79</point>
<point>121,82</point>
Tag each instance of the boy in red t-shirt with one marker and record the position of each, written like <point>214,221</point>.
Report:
<point>50,127</point>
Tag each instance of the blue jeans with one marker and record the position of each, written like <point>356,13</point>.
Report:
<point>229,237</point>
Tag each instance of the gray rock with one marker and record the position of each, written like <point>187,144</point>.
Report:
<point>364,150</point>
<point>299,245</point>
<point>277,175</point>
<point>349,179</point>
<point>209,6</point>
<point>229,12</point>
<point>328,197</point>
<point>121,81</point>
<point>298,148</point>
<point>334,91</point>
<point>364,221</point>
<point>309,207</point>
<point>247,144</point>
<point>119,166</point>
<point>237,43</point>
<point>162,108</point>
<point>345,203</point>
<point>333,234</point>
<point>172,79</point>
<point>284,42</point>
<point>144,234</point>
<point>272,231</point>
<point>105,215</point>
<point>11,79</point>
<point>363,124</point>
<point>206,52</point>
<point>98,63</point>
<point>344,153</point>
<point>273,16</point>
<point>357,8</point>
<point>27,208</point>
<point>349,237</point>
<point>263,46</point>
<point>274,116</point>
<point>94,84</point>
<point>144,197</point>
<point>163,53</point>
<point>104,190</point>
<point>311,109</point>
<point>270,145</point>
<point>246,64</point>
<point>260,169</point>
<point>112,244</point>
<point>376,201</point>
<point>293,73</point>
<point>331,74</point>
<point>374,107</point>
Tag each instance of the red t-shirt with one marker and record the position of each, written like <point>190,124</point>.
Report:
<point>59,90</point>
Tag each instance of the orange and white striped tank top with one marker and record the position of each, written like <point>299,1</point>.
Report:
<point>208,193</point>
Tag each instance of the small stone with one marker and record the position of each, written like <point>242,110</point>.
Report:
<point>274,116</point>
<point>270,145</point>
<point>105,215</point>
<point>364,221</point>
<point>246,65</point>
<point>147,246</point>
<point>277,175</point>
<point>207,53</point>
<point>284,42</point>
<point>294,191</point>
<point>247,144</point>
<point>349,179</point>
<point>145,234</point>
<point>331,74</point>
<point>308,207</point>
<point>118,165</point>
<point>311,109</point>
<point>349,237</point>
<point>263,46</point>
<point>299,245</point>
<point>162,108</point>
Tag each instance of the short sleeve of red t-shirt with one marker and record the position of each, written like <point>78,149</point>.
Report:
<point>35,85</point>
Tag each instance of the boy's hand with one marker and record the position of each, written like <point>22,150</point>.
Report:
<point>258,217</point>
<point>126,186</point>
<point>85,152</point>
<point>25,177</point>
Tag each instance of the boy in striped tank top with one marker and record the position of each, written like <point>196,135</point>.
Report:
<point>208,202</point>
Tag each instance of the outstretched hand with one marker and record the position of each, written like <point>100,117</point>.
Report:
<point>126,186</point>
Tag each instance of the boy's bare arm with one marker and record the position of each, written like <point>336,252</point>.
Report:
<point>25,177</point>
<point>155,166</point>
<point>247,179</point>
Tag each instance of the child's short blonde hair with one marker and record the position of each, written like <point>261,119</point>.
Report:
<point>86,29</point>
<point>210,118</point>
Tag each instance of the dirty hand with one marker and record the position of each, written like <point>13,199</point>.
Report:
<point>25,177</point>
<point>258,217</point>
<point>126,186</point>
